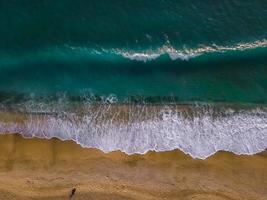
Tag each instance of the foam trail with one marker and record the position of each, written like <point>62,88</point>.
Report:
<point>199,132</point>
<point>77,53</point>
<point>140,56</point>
<point>189,53</point>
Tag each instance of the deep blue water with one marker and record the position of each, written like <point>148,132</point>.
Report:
<point>186,50</point>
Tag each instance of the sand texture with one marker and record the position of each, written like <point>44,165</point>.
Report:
<point>49,169</point>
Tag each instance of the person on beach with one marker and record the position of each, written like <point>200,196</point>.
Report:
<point>71,197</point>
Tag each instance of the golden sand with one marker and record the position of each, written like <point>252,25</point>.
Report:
<point>50,169</point>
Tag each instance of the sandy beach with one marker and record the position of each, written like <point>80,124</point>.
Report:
<point>50,169</point>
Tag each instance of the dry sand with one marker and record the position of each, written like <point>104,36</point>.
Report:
<point>50,169</point>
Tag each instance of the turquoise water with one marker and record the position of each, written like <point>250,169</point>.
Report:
<point>169,74</point>
<point>157,50</point>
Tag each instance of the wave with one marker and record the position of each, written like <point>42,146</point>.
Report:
<point>187,53</point>
<point>198,130</point>
<point>77,53</point>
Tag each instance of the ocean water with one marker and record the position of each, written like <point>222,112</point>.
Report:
<point>71,60</point>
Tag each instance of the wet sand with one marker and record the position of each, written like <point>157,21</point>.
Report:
<point>50,169</point>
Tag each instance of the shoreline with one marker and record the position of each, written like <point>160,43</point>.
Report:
<point>134,154</point>
<point>138,129</point>
<point>50,169</point>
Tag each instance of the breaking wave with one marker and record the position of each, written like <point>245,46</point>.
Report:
<point>198,130</point>
<point>187,53</point>
<point>78,53</point>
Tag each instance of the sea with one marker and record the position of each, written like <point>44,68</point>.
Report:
<point>136,75</point>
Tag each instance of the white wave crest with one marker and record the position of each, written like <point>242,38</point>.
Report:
<point>77,53</point>
<point>200,135</point>
<point>188,53</point>
<point>140,56</point>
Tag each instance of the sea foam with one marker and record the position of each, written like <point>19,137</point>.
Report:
<point>199,131</point>
<point>72,53</point>
<point>186,53</point>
